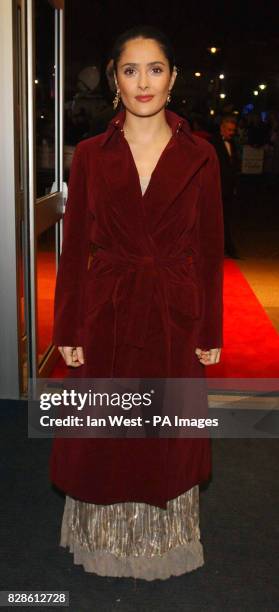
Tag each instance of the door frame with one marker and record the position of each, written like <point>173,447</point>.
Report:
<point>22,216</point>
<point>46,211</point>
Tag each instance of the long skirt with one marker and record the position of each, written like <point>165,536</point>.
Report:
<point>132,539</point>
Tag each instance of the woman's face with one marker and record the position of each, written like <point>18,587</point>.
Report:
<point>143,77</point>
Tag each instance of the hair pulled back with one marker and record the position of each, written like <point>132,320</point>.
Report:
<point>143,31</point>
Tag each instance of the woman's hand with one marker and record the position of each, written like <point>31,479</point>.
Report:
<point>208,357</point>
<point>72,355</point>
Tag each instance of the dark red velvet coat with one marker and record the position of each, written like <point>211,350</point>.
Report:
<point>152,294</point>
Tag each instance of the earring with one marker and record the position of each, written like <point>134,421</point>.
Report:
<point>168,98</point>
<point>116,99</point>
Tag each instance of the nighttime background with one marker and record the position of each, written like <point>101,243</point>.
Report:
<point>240,79</point>
<point>247,35</point>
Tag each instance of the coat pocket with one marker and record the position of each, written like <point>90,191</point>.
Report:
<point>184,300</point>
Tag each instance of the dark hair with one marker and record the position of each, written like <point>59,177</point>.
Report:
<point>143,31</point>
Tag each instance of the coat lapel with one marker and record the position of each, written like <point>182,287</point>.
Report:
<point>181,161</point>
<point>178,164</point>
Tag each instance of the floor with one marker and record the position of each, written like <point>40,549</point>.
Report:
<point>238,520</point>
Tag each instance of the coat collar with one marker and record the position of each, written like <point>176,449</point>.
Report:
<point>176,123</point>
<point>179,163</point>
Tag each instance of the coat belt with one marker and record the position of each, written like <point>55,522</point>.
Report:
<point>132,295</point>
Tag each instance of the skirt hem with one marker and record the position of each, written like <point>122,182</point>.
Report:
<point>175,562</point>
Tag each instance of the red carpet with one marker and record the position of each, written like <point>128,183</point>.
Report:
<point>46,274</point>
<point>251,342</point>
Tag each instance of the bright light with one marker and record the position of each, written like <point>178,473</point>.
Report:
<point>213,49</point>
<point>36,81</point>
<point>222,95</point>
<point>197,74</point>
<point>212,112</point>
<point>221,76</point>
<point>262,86</point>
<point>42,116</point>
<point>255,92</point>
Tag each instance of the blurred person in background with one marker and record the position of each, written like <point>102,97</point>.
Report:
<point>225,148</point>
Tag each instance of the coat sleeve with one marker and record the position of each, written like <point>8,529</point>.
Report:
<point>211,241</point>
<point>73,262</point>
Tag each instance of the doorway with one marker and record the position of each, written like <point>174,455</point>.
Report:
<point>32,192</point>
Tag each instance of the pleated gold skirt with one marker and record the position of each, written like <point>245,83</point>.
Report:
<point>132,539</point>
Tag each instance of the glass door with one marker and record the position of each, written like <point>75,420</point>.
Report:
<point>44,193</point>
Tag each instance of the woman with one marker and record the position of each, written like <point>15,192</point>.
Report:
<point>139,294</point>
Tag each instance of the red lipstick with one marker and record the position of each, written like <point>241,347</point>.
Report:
<point>144,98</point>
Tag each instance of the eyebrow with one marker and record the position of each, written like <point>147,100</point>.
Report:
<point>134,64</point>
